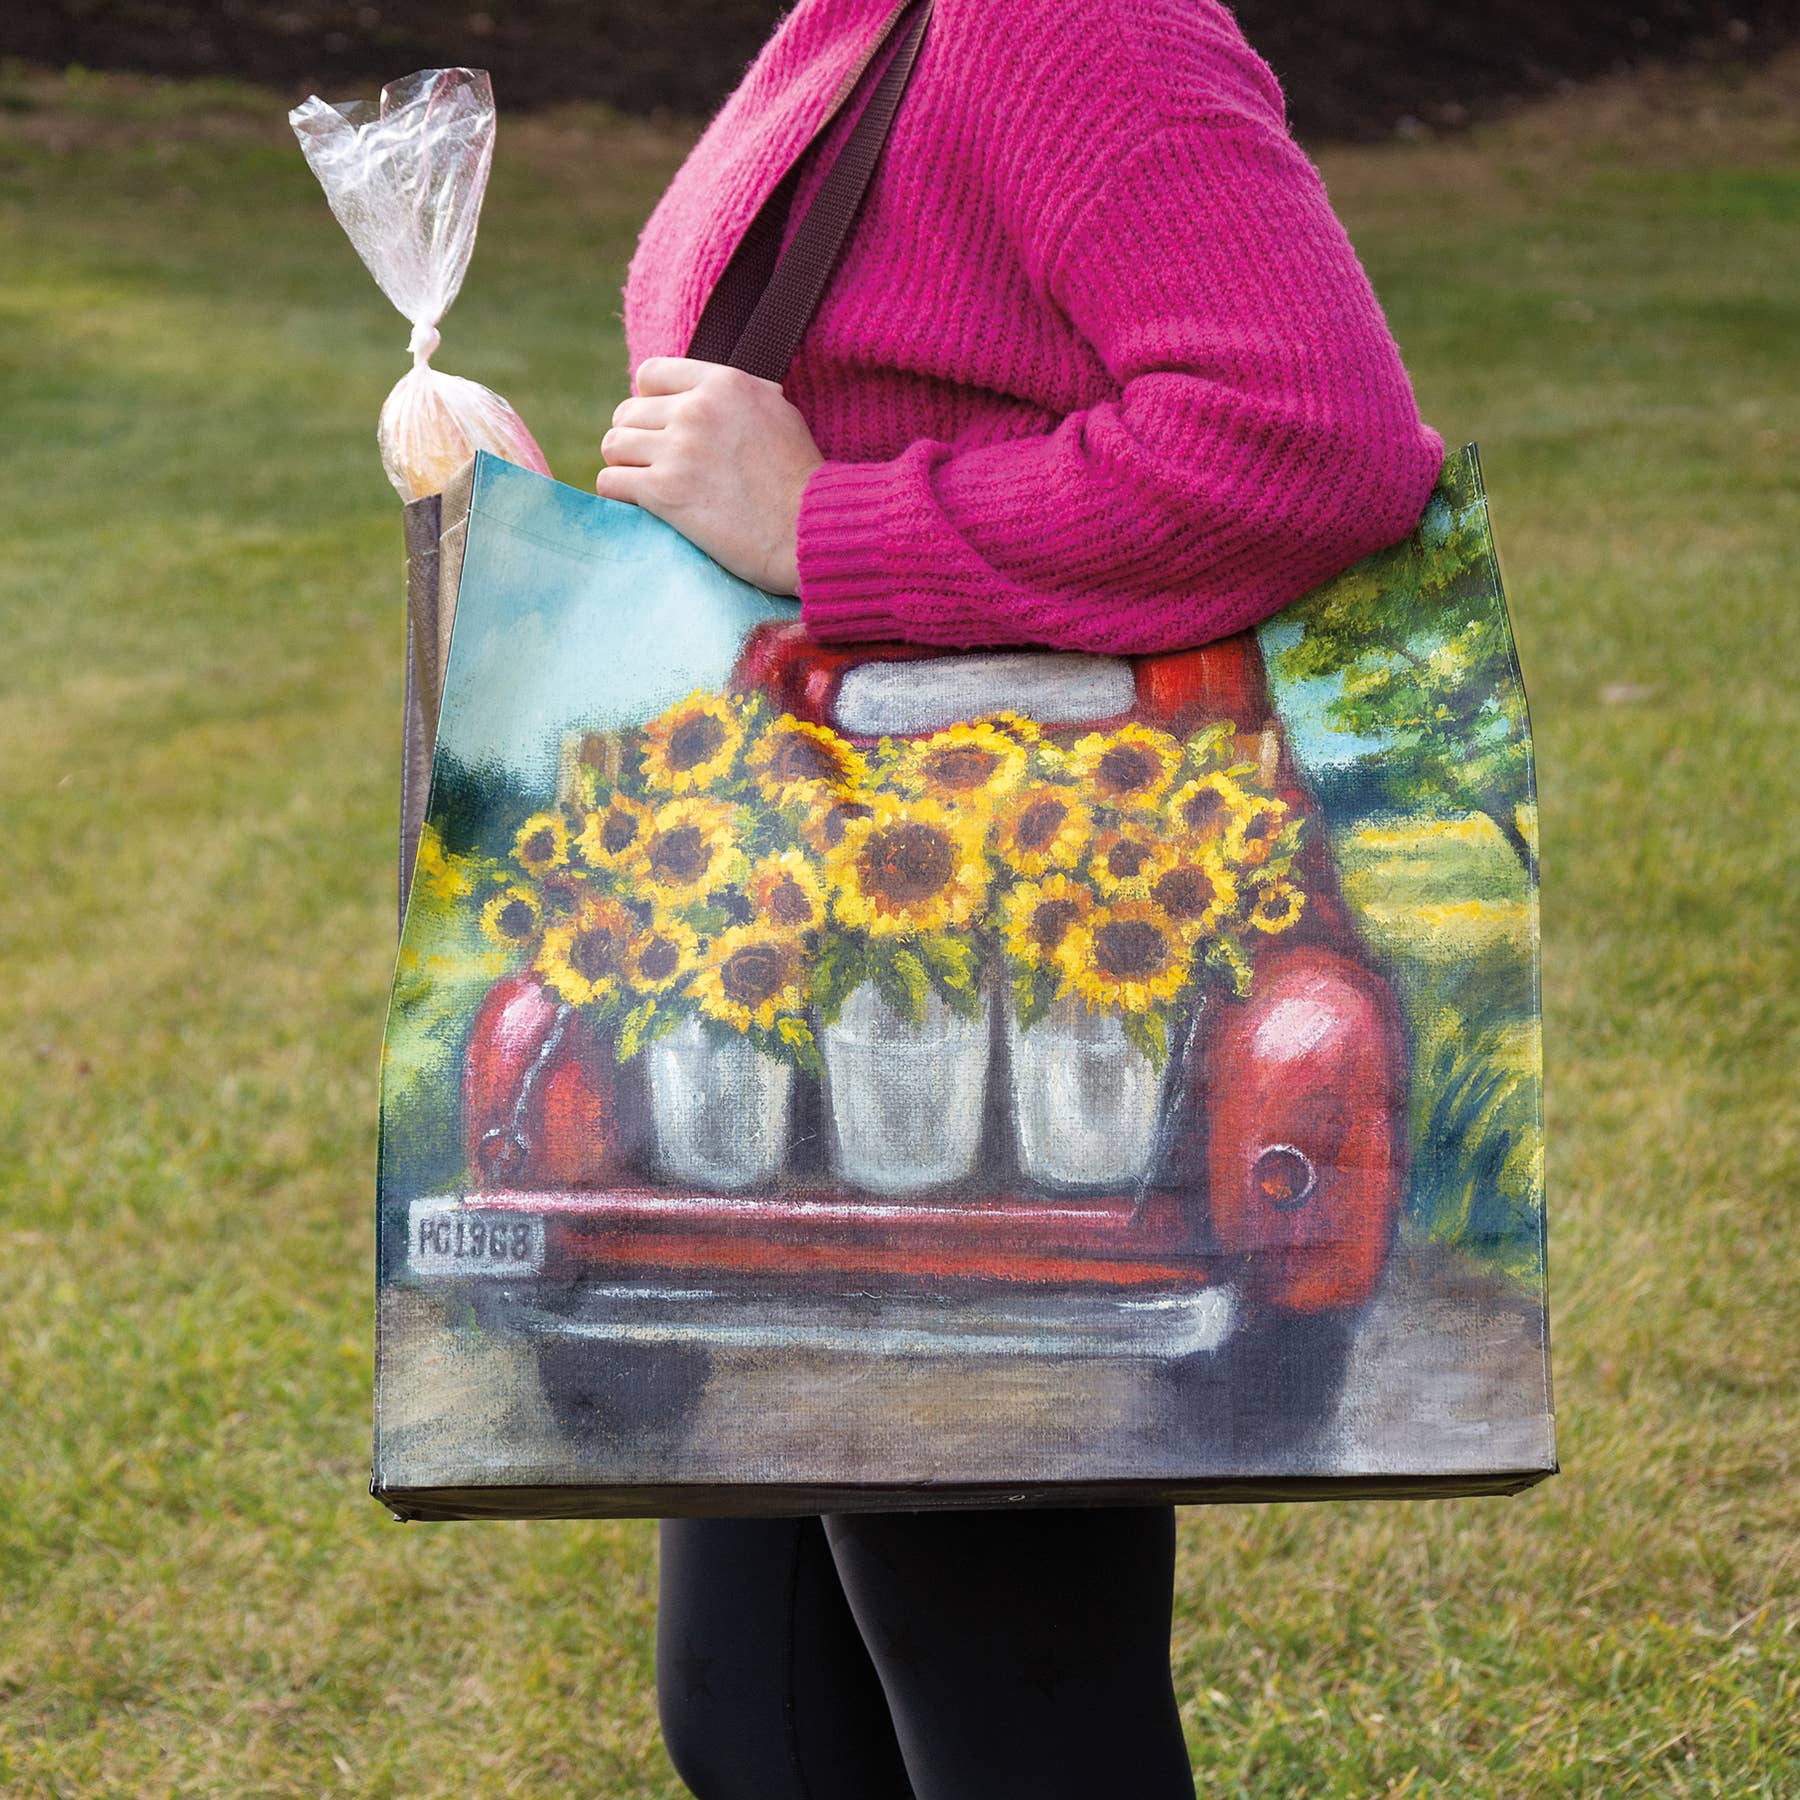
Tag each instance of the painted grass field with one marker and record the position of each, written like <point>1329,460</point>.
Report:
<point>199,591</point>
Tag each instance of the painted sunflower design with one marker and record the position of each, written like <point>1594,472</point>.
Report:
<point>1014,724</point>
<point>661,956</point>
<point>692,746</point>
<point>1197,892</point>
<point>542,844</point>
<point>1126,863</point>
<point>689,849</point>
<point>912,866</point>
<point>1128,768</point>
<point>1125,958</point>
<point>1206,806</point>
<point>582,959</point>
<point>797,764</point>
<point>612,834</point>
<point>1038,915</point>
<point>1250,837</point>
<point>1042,827</point>
<point>785,891</point>
<point>962,763</point>
<point>513,918</point>
<point>749,976</point>
<point>827,820</point>
<point>1278,907</point>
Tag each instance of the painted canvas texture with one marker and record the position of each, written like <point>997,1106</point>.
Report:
<point>824,1076</point>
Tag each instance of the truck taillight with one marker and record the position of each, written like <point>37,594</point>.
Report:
<point>1283,1177</point>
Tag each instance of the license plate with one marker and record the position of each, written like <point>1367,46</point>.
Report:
<point>450,1237</point>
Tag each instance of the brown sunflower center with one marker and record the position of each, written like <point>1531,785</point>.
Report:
<point>797,757</point>
<point>660,958</point>
<point>1201,811</point>
<point>756,974</point>
<point>1262,828</point>
<point>787,902</point>
<point>1039,824</point>
<point>1184,893</point>
<point>907,863</point>
<point>540,847</point>
<point>1126,858</point>
<point>961,766</point>
<point>681,854</point>
<point>618,831</point>
<point>1050,922</point>
<point>517,919</point>
<point>1126,768</point>
<point>1129,949</point>
<point>594,953</point>
<point>695,740</point>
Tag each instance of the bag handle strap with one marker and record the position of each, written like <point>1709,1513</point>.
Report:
<point>765,298</point>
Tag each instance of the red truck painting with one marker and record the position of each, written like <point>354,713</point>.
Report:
<point>1256,1178</point>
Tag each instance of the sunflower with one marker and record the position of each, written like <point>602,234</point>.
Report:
<point>912,865</point>
<point>689,848</point>
<point>611,835</point>
<point>542,844</point>
<point>1206,806</point>
<point>1125,958</point>
<point>1196,891</point>
<point>1278,906</point>
<point>1043,828</point>
<point>1250,837</point>
<point>962,763</point>
<point>786,891</point>
<point>513,918</point>
<point>692,745</point>
<point>1027,731</point>
<point>582,958</point>
<point>828,819</point>
<point>1038,915</point>
<point>661,955</point>
<point>437,871</point>
<point>797,764</point>
<point>1129,767</point>
<point>1125,863</point>
<point>750,975</point>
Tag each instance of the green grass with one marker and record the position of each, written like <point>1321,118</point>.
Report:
<point>200,598</point>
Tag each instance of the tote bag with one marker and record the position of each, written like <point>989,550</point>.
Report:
<point>822,1077</point>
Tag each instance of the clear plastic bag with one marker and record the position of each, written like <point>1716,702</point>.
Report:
<point>405,177</point>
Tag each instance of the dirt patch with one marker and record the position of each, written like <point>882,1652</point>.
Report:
<point>1352,69</point>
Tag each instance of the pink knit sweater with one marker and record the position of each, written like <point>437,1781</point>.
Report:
<point>1099,367</point>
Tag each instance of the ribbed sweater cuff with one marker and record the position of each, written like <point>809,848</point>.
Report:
<point>850,517</point>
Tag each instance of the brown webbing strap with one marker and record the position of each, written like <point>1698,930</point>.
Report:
<point>761,305</point>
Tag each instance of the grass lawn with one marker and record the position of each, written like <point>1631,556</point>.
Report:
<point>200,594</point>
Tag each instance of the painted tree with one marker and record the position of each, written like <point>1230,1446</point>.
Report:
<point>1416,643</point>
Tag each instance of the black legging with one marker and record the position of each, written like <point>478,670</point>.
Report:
<point>979,1654</point>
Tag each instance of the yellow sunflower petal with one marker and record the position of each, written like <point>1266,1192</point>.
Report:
<point>692,746</point>
<point>749,976</point>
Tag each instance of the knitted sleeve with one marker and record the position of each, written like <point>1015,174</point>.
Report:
<point>1263,436</point>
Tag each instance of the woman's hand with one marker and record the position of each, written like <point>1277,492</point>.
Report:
<point>722,457</point>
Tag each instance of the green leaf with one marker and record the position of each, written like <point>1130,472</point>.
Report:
<point>1149,1033</point>
<point>1033,990</point>
<point>911,982</point>
<point>951,959</point>
<point>631,1037</point>
<point>797,1039</point>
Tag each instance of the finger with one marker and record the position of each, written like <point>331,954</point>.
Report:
<point>621,483</point>
<point>624,444</point>
<point>648,414</point>
<point>672,374</point>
